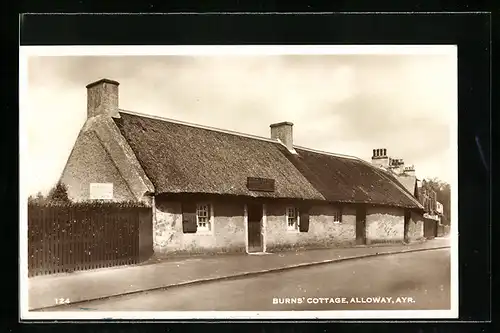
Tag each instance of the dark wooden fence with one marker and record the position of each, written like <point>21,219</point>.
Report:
<point>73,238</point>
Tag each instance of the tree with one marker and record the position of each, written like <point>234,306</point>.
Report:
<point>58,194</point>
<point>37,199</point>
<point>39,196</point>
<point>443,195</point>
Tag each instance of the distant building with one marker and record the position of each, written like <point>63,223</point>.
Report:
<point>396,167</point>
<point>439,210</point>
<point>420,189</point>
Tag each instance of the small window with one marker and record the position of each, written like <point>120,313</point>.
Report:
<point>337,216</point>
<point>203,218</point>
<point>292,218</point>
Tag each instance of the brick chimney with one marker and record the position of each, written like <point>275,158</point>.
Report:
<point>284,132</point>
<point>380,158</point>
<point>397,165</point>
<point>409,170</point>
<point>102,98</point>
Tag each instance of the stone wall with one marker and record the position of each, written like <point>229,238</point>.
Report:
<point>416,227</point>
<point>323,232</point>
<point>384,225</point>
<point>228,230</point>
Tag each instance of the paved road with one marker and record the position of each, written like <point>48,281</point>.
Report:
<point>421,280</point>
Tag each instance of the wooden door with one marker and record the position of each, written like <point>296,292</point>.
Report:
<point>429,228</point>
<point>406,225</point>
<point>254,228</point>
<point>361,225</point>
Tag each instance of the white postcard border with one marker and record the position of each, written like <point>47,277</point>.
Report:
<point>146,50</point>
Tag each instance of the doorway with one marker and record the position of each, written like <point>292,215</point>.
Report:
<point>255,214</point>
<point>406,226</point>
<point>361,225</point>
<point>430,228</point>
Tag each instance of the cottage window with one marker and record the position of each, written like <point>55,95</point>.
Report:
<point>337,216</point>
<point>203,218</point>
<point>292,218</point>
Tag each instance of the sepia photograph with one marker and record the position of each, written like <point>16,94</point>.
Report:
<point>238,182</point>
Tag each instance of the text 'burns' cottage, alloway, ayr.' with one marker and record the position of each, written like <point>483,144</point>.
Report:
<point>213,190</point>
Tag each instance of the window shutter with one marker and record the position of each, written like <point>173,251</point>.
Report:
<point>304,220</point>
<point>189,225</point>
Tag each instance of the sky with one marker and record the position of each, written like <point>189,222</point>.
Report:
<point>347,103</point>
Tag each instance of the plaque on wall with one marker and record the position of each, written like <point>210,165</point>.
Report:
<point>260,184</point>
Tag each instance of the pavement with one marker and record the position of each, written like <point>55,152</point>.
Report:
<point>405,281</point>
<point>44,291</point>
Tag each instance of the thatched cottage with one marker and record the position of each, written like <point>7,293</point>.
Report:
<point>213,190</point>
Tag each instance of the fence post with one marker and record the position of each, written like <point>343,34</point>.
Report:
<point>58,226</point>
<point>31,252</point>
<point>85,239</point>
<point>45,250</point>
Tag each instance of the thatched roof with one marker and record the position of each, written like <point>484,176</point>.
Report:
<point>350,180</point>
<point>180,158</point>
<point>184,158</point>
<point>409,182</point>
